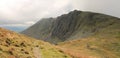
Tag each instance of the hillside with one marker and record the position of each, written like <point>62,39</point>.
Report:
<point>75,25</point>
<point>92,47</point>
<point>14,45</point>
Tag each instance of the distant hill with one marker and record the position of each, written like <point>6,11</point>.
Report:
<point>14,45</point>
<point>75,25</point>
<point>15,28</point>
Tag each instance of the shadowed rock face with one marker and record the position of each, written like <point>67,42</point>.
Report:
<point>65,25</point>
<point>76,24</point>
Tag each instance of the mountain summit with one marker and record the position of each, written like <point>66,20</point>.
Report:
<point>74,25</point>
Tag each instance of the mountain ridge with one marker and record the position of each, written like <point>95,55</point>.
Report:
<point>76,24</point>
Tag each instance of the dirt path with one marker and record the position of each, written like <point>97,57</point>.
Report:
<point>37,53</point>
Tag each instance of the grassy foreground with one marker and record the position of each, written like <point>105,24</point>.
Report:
<point>93,48</point>
<point>13,45</point>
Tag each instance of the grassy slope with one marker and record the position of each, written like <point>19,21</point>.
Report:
<point>13,45</point>
<point>104,44</point>
<point>95,47</point>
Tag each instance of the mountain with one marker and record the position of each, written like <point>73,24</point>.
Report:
<point>75,25</point>
<point>14,45</point>
<point>41,29</point>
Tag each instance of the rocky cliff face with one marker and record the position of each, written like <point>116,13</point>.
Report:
<point>76,24</point>
<point>65,25</point>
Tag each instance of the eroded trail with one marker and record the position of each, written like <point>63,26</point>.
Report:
<point>37,53</point>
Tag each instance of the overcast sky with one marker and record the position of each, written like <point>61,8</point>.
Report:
<point>24,13</point>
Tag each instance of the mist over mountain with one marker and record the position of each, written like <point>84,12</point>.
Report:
<point>76,24</point>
